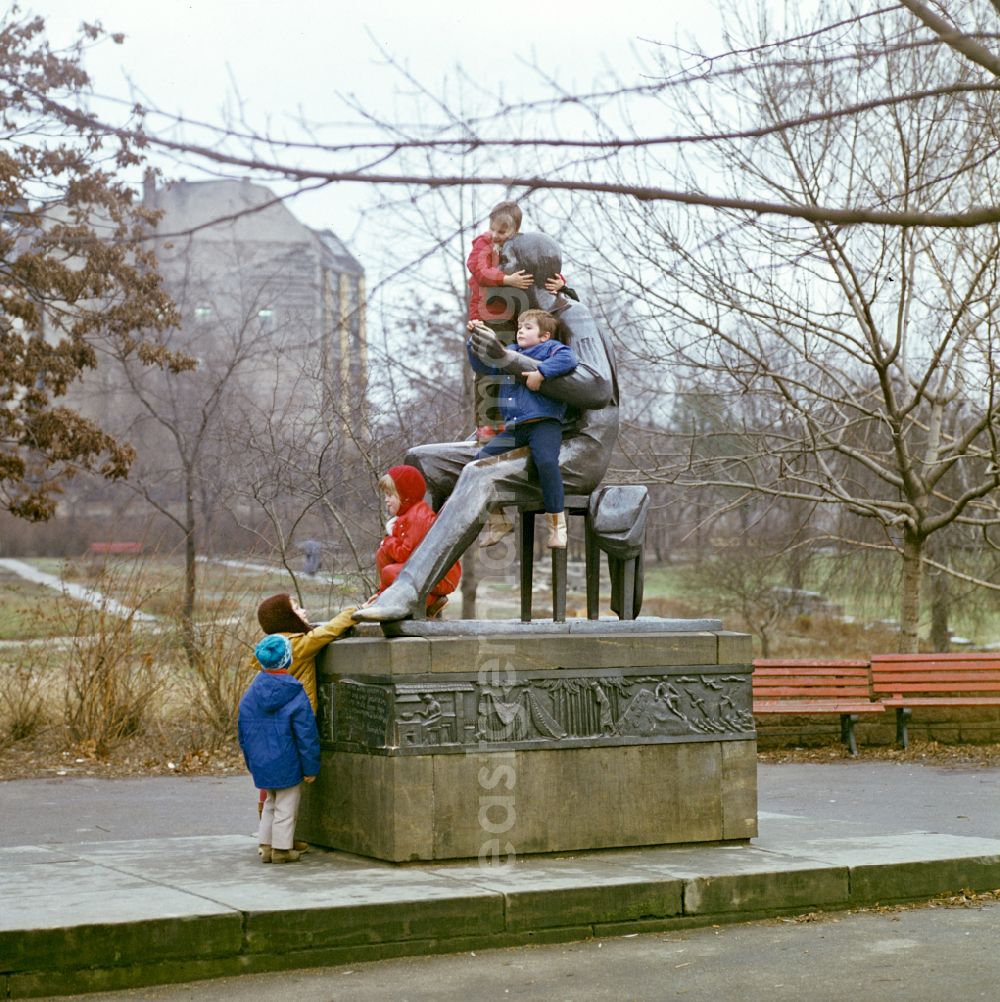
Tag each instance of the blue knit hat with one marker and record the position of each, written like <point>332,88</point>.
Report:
<point>274,652</point>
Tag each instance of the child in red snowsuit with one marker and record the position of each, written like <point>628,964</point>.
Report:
<point>410,519</point>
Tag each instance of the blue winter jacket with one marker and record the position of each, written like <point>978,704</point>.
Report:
<point>277,732</point>
<point>517,402</point>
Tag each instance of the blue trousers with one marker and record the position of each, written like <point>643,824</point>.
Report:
<point>544,438</point>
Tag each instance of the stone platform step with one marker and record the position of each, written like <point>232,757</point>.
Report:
<point>110,915</point>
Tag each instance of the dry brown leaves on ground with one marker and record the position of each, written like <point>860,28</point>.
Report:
<point>964,899</point>
<point>919,753</point>
<point>48,754</point>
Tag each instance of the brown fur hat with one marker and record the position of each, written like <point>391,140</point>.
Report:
<point>275,615</point>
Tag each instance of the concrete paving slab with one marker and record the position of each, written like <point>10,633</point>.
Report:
<point>20,856</point>
<point>153,909</point>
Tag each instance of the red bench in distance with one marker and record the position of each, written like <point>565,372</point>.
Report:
<point>115,548</point>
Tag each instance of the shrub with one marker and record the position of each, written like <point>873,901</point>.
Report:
<point>22,704</point>
<point>112,676</point>
<point>219,664</point>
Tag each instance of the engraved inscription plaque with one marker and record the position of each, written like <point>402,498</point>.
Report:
<point>362,714</point>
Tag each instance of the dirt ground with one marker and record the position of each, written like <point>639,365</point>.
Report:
<point>48,754</point>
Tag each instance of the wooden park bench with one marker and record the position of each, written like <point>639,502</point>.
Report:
<point>814,686</point>
<point>115,548</point>
<point>903,681</point>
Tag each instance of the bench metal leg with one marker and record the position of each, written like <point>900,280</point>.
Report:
<point>527,519</point>
<point>903,714</point>
<point>847,722</point>
<point>558,584</point>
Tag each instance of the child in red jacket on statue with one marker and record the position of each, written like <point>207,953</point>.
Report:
<point>496,312</point>
<point>410,518</point>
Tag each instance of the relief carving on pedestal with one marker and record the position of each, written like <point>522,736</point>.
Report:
<point>456,715</point>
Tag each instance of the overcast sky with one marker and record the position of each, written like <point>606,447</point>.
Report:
<point>297,58</point>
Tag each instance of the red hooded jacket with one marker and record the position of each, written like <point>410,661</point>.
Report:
<point>413,520</point>
<point>484,271</point>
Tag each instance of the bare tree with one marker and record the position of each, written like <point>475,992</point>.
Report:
<point>587,142</point>
<point>858,362</point>
<point>177,424</point>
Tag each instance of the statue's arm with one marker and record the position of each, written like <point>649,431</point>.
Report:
<point>486,348</point>
<point>588,386</point>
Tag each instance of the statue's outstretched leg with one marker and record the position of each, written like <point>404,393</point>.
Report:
<point>482,484</point>
<point>478,486</point>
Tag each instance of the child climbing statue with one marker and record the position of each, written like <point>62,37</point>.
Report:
<point>532,419</point>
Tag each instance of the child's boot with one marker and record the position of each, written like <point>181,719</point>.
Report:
<point>557,530</point>
<point>284,856</point>
<point>435,607</point>
<point>497,526</point>
<point>264,851</point>
<point>301,847</point>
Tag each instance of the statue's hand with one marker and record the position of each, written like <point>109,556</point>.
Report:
<point>486,346</point>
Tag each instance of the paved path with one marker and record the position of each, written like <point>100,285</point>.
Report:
<point>885,795</point>
<point>80,592</point>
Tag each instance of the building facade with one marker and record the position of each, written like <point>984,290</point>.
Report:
<point>239,264</point>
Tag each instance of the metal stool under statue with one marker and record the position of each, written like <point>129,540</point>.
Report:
<point>615,523</point>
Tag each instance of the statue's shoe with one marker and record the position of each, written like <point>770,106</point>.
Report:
<point>398,601</point>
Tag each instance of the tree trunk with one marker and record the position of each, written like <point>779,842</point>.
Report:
<point>797,560</point>
<point>940,612</point>
<point>909,611</point>
<point>190,579</point>
<point>765,644</point>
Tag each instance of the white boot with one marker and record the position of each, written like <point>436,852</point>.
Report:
<point>557,530</point>
<point>497,526</point>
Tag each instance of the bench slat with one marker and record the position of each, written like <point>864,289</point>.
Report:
<point>899,685</point>
<point>860,673</point>
<point>823,678</point>
<point>827,706</point>
<point>941,701</point>
<point>916,659</point>
<point>959,678</point>
<point>817,695</point>
<point>808,662</point>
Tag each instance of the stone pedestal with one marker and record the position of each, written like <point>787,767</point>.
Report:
<point>533,738</point>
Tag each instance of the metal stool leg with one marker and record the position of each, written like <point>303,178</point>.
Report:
<point>628,589</point>
<point>592,556</point>
<point>558,584</point>
<point>527,519</point>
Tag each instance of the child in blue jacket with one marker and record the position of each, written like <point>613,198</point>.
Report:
<point>532,419</point>
<point>280,744</point>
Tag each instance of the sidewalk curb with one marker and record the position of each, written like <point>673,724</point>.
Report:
<point>110,915</point>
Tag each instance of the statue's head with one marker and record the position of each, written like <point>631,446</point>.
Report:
<point>536,254</point>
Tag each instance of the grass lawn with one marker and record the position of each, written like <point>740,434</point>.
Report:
<point>27,610</point>
<point>154,585</point>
